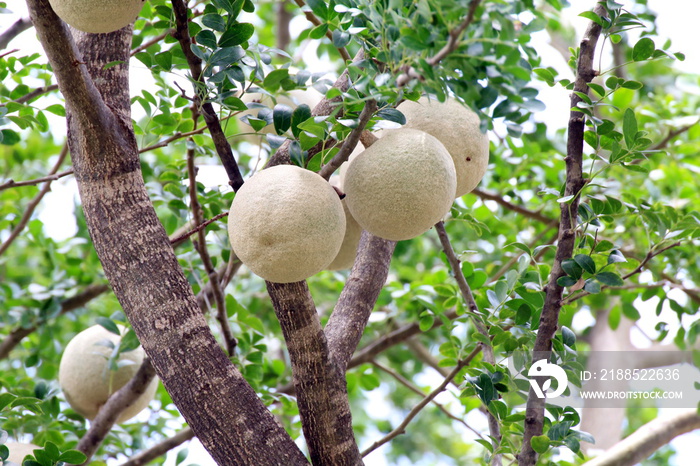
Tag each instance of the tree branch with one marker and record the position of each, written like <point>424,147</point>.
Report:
<point>395,337</point>
<point>549,318</point>
<point>401,428</point>
<point>450,46</point>
<point>481,327</point>
<point>351,141</point>
<point>408,384</point>
<point>320,384</point>
<point>160,449</point>
<point>29,211</point>
<point>316,22</point>
<point>349,318</point>
<point>324,107</point>
<point>220,406</point>
<point>200,245</point>
<point>650,255</point>
<point>510,206</point>
<point>647,439</point>
<point>109,413</point>
<point>223,148</point>
<point>68,305</point>
<point>17,28</point>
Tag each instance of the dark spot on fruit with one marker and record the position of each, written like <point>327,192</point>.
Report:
<point>469,159</point>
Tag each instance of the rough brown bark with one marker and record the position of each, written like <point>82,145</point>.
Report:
<point>320,384</point>
<point>349,318</point>
<point>549,318</point>
<point>220,406</point>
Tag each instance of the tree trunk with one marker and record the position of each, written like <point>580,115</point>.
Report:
<point>220,406</point>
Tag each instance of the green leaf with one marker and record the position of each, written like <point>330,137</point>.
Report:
<point>391,114</point>
<point>319,31</point>
<point>609,279</point>
<point>630,311</point>
<point>616,256</point>
<point>56,109</point>
<point>592,286</point>
<point>585,262</point>
<point>567,281</point>
<point>341,38</point>
<point>206,38</point>
<point>319,8</point>
<point>634,85</point>
<point>164,60</point>
<point>425,322</point>
<point>282,118</point>
<point>73,457</point>
<point>629,127</point>
<point>568,336</point>
<point>592,16</point>
<point>540,443</point>
<point>108,324</point>
<point>236,34</point>
<point>614,317</point>
<point>299,115</point>
<point>643,49</point>
<point>214,21</point>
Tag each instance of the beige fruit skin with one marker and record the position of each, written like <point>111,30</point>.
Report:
<point>97,15</point>
<point>84,375</point>
<point>457,127</point>
<point>348,250</point>
<point>19,450</point>
<point>401,185</point>
<point>286,224</point>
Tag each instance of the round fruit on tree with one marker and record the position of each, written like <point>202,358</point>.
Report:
<point>97,15</point>
<point>457,127</point>
<point>286,224</point>
<point>401,185</point>
<point>348,250</point>
<point>87,380</point>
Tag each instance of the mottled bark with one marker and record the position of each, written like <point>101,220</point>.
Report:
<point>220,406</point>
<point>549,318</point>
<point>320,384</point>
<point>349,318</point>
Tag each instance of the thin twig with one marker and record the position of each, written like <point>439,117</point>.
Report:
<point>69,304</point>
<point>16,184</point>
<point>206,109</point>
<point>160,449</point>
<point>153,41</point>
<point>417,409</point>
<point>451,45</point>
<point>316,22</point>
<point>650,255</point>
<point>407,383</point>
<point>575,182</point>
<point>200,245</point>
<point>672,135</point>
<point>351,141</point>
<point>394,338</point>
<point>17,28</point>
<point>29,211</point>
<point>466,292</point>
<point>510,206</point>
<point>199,227</point>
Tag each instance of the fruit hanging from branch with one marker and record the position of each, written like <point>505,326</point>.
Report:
<point>97,16</point>
<point>286,224</point>
<point>457,127</point>
<point>401,185</point>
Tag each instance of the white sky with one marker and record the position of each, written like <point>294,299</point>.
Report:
<point>677,20</point>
